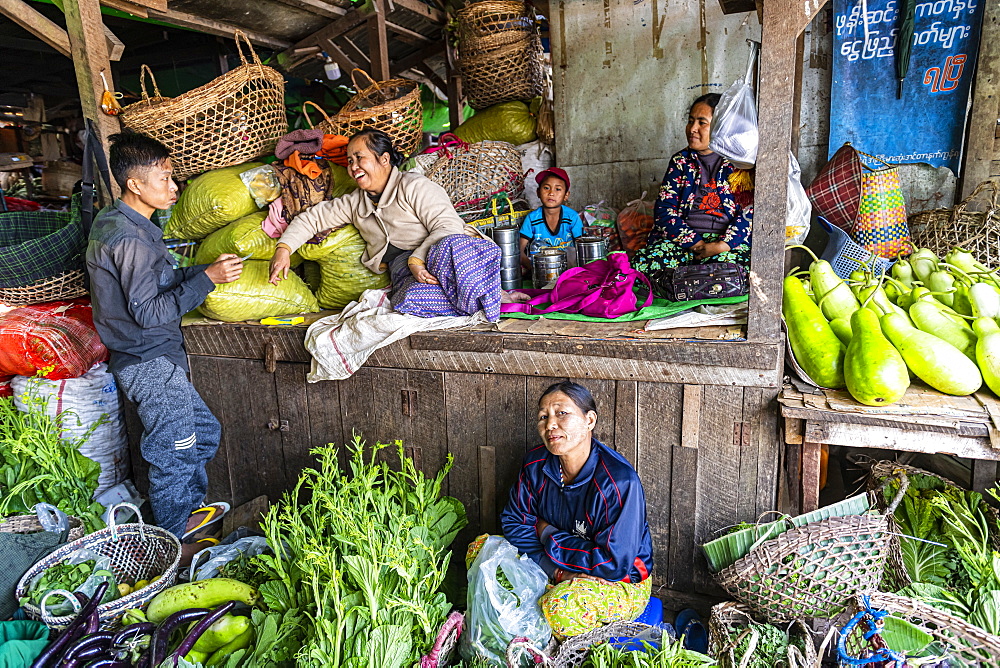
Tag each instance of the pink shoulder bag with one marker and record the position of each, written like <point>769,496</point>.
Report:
<point>599,289</point>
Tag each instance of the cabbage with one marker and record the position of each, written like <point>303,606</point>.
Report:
<point>251,297</point>
<point>210,201</point>
<point>511,122</point>
<point>342,276</point>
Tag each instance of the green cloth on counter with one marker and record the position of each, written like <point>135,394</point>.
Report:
<point>21,642</point>
<point>660,308</point>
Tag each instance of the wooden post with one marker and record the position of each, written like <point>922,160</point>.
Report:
<point>783,21</point>
<point>983,118</point>
<point>89,48</point>
<point>378,42</point>
<point>455,102</point>
<point>37,24</point>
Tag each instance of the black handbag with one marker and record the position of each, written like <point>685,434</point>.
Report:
<point>713,280</point>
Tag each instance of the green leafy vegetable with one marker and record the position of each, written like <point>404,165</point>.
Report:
<point>669,655</point>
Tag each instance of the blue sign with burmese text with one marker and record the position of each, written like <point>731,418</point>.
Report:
<point>927,123</point>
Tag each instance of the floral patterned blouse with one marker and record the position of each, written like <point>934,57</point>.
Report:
<point>678,194</point>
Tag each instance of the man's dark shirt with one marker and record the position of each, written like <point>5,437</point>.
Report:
<point>138,296</point>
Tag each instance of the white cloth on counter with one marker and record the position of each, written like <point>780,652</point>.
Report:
<point>703,316</point>
<point>340,344</point>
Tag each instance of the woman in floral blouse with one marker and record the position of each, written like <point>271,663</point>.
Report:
<point>705,204</point>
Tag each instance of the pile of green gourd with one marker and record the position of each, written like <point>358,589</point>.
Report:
<point>933,319</point>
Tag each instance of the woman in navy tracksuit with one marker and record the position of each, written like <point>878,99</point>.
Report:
<point>578,510</point>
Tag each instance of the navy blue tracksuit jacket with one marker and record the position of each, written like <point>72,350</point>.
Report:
<point>598,521</point>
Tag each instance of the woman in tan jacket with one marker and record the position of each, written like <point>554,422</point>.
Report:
<point>438,265</point>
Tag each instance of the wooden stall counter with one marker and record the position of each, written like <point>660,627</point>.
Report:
<point>923,421</point>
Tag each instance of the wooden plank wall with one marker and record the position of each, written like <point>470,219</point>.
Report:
<point>708,455</point>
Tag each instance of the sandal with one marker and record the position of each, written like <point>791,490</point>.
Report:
<point>214,512</point>
<point>689,625</point>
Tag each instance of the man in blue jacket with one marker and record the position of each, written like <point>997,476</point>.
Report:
<point>578,510</point>
<point>139,298</point>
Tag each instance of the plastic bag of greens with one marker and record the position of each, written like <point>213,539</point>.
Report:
<point>342,276</point>
<point>241,237</point>
<point>209,202</point>
<point>499,612</point>
<point>83,571</point>
<point>252,297</point>
<point>220,555</point>
<point>511,122</point>
<point>263,184</point>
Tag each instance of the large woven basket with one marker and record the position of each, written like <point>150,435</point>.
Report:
<point>137,551</point>
<point>67,285</point>
<point>960,640</point>
<point>392,106</point>
<point>731,616</point>
<point>814,570</point>
<point>234,118</point>
<point>327,125</point>
<point>499,53</point>
<point>973,224</point>
<point>30,524</point>
<point>573,651</point>
<point>473,173</point>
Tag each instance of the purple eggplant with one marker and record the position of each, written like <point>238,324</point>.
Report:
<point>199,629</point>
<point>158,651</point>
<point>93,624</point>
<point>143,661</point>
<point>72,632</point>
<point>108,663</point>
<point>133,631</point>
<point>83,650</point>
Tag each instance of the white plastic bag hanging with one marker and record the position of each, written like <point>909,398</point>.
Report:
<point>498,613</point>
<point>799,208</point>
<point>734,123</point>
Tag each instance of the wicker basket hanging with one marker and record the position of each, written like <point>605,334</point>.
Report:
<point>327,125</point>
<point>957,639</point>
<point>974,224</point>
<point>472,173</point>
<point>499,53</point>
<point>391,106</point>
<point>814,570</point>
<point>234,118</point>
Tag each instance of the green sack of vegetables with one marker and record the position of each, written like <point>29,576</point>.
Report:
<point>251,297</point>
<point>242,237</point>
<point>342,276</point>
<point>509,121</point>
<point>341,182</point>
<point>209,202</point>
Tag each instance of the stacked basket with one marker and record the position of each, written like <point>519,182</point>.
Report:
<point>499,53</point>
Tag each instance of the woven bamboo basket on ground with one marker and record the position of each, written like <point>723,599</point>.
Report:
<point>67,285</point>
<point>573,651</point>
<point>959,639</point>
<point>814,570</point>
<point>30,524</point>
<point>236,117</point>
<point>732,616</point>
<point>137,552</point>
<point>473,173</point>
<point>499,53</point>
<point>392,106</point>
<point>974,224</point>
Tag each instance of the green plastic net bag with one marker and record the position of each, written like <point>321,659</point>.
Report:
<point>242,237</point>
<point>511,122</point>
<point>211,201</point>
<point>251,297</point>
<point>342,276</point>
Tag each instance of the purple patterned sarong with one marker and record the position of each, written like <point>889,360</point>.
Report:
<point>469,272</point>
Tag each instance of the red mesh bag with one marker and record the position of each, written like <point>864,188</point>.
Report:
<point>57,339</point>
<point>634,223</point>
<point>5,390</point>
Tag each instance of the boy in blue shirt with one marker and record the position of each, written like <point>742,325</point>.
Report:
<point>553,224</point>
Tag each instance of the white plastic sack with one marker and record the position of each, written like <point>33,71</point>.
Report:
<point>734,123</point>
<point>799,207</point>
<point>536,157</point>
<point>220,555</point>
<point>496,614</point>
<point>85,400</point>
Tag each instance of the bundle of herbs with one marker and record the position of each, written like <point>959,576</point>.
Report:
<point>359,560</point>
<point>38,465</point>
<point>948,552</point>
<point>669,655</point>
